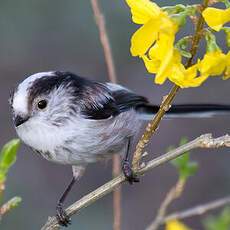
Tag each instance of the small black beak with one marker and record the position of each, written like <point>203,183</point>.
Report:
<point>18,120</point>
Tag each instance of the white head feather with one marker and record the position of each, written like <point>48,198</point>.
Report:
<point>20,98</point>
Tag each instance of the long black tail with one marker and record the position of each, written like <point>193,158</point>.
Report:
<point>185,111</point>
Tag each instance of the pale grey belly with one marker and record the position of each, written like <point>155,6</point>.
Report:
<point>69,156</point>
<point>96,141</point>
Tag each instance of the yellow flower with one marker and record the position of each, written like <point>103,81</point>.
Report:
<point>186,77</point>
<point>164,52</point>
<point>154,43</point>
<point>154,20</point>
<point>216,18</point>
<point>143,10</point>
<point>174,70</point>
<point>227,73</point>
<point>227,70</point>
<point>176,225</point>
<point>213,63</point>
<point>227,33</point>
<point>144,37</point>
<point>160,62</point>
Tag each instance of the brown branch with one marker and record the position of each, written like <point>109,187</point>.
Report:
<point>198,210</point>
<point>204,141</point>
<point>100,21</point>
<point>174,193</point>
<point>9,205</point>
<point>152,127</point>
<point>198,33</point>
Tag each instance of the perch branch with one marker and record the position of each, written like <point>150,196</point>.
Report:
<point>198,210</point>
<point>204,141</point>
<point>100,21</point>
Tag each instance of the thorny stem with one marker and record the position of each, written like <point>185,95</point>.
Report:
<point>100,21</point>
<point>204,141</point>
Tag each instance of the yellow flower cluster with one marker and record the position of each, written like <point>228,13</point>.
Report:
<point>220,63</point>
<point>154,41</point>
<point>176,225</point>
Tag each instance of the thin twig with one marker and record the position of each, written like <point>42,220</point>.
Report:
<point>204,141</point>
<point>198,34</point>
<point>174,193</point>
<point>152,127</point>
<point>198,210</point>
<point>100,21</point>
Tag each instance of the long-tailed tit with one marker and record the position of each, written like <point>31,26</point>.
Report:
<point>70,120</point>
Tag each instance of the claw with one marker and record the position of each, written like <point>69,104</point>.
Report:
<point>62,217</point>
<point>128,172</point>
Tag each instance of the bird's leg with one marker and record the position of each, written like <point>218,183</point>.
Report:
<point>62,217</point>
<point>126,166</point>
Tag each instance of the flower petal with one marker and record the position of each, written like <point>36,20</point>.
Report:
<point>164,69</point>
<point>176,225</point>
<point>171,57</point>
<point>196,81</point>
<point>213,63</point>
<point>143,10</point>
<point>215,18</point>
<point>177,74</point>
<point>227,70</point>
<point>151,65</point>
<point>144,37</point>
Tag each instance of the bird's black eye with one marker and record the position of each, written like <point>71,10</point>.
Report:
<point>42,104</point>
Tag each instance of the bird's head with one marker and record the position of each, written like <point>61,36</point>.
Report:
<point>42,105</point>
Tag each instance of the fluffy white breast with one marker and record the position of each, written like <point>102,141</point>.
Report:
<point>43,136</point>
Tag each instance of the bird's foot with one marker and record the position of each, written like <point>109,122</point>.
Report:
<point>128,172</point>
<point>62,217</point>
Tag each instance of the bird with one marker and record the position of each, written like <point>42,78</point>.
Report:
<point>72,120</point>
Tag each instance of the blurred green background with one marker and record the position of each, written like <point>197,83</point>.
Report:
<point>61,35</point>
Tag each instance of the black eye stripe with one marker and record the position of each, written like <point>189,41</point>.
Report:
<point>42,104</point>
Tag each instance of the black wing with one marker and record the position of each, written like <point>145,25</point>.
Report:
<point>97,101</point>
<point>126,100</point>
<point>102,103</point>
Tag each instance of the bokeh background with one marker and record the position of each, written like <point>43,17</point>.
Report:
<point>61,35</point>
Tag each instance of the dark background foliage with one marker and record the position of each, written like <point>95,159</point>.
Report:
<point>61,35</point>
